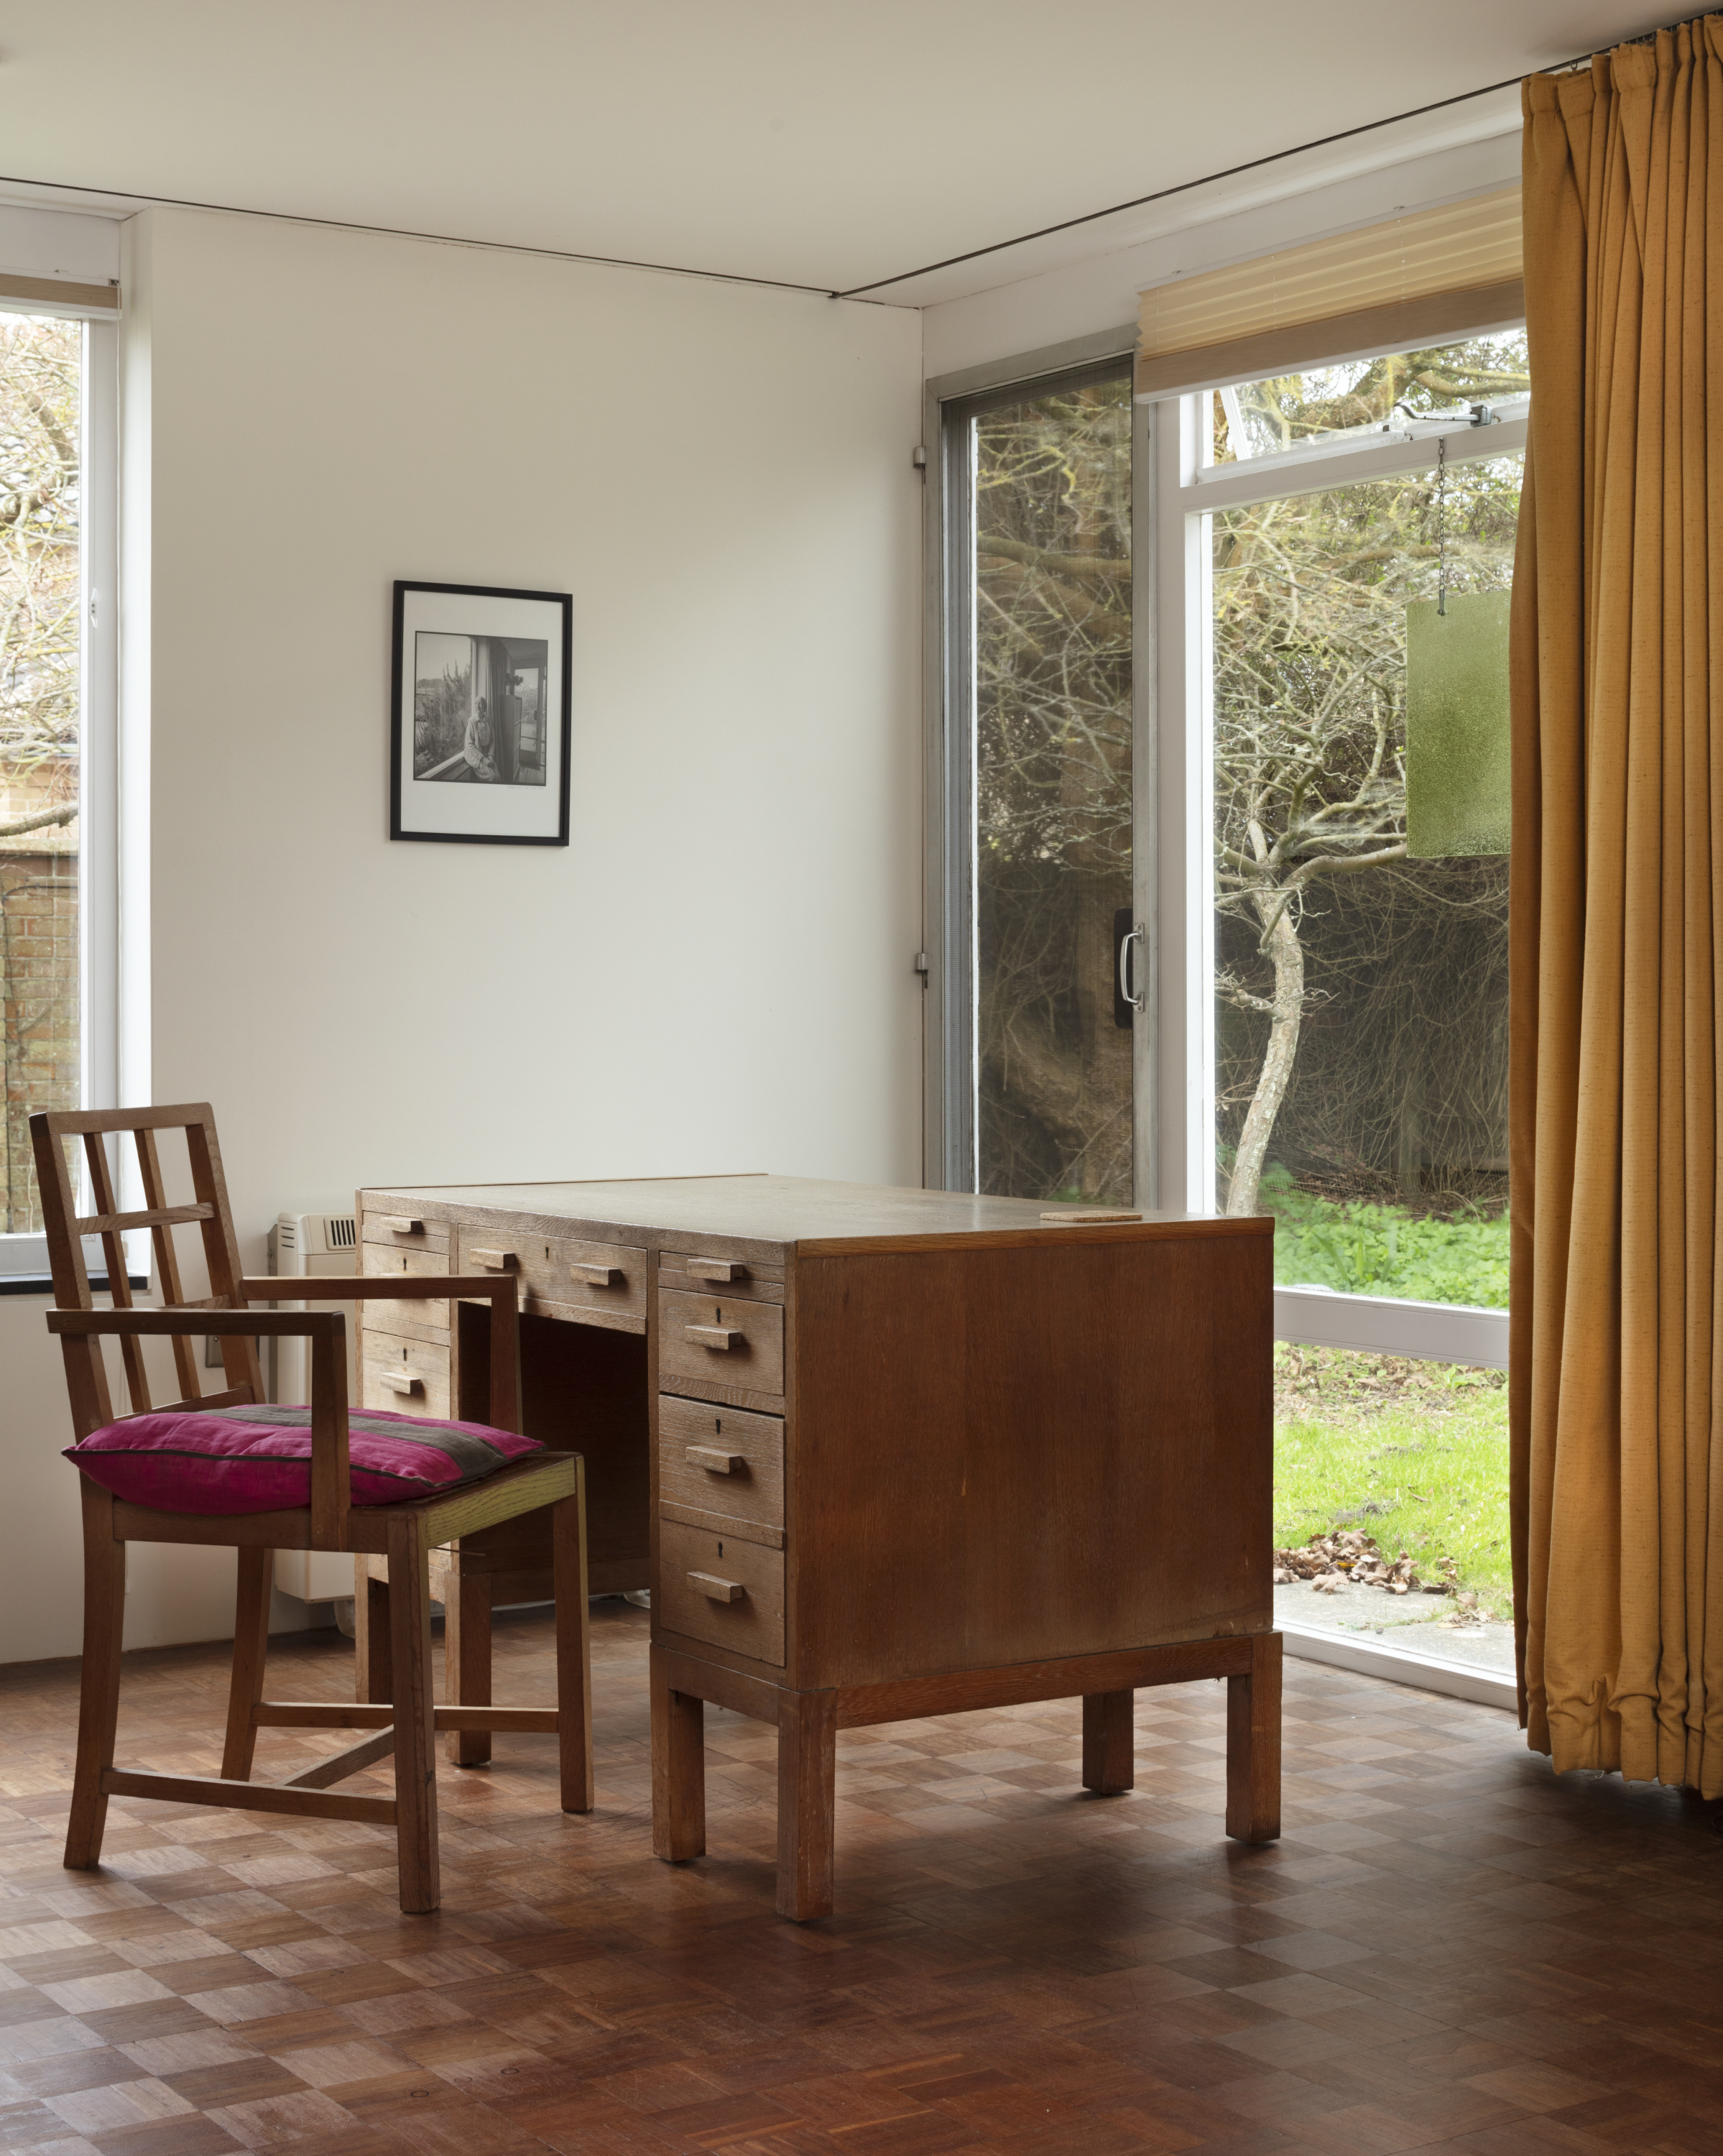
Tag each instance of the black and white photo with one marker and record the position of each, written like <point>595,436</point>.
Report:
<point>480,718</point>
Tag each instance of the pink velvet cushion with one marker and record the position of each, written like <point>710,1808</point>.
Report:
<point>258,1459</point>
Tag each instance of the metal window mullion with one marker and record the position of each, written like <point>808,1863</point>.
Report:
<point>99,899</point>
<point>958,967</point>
<point>1183,1053</point>
<point>1243,486</point>
<point>1145,701</point>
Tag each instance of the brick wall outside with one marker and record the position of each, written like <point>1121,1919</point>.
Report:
<point>38,980</point>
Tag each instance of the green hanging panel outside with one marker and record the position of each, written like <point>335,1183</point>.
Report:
<point>1456,733</point>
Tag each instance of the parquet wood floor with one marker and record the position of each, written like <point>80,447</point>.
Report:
<point>1449,1949</point>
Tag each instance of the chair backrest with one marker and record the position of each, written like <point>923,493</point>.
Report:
<point>86,1373</point>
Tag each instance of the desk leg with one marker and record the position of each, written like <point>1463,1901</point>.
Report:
<point>807,1761</point>
<point>1253,1745</point>
<point>574,1649</point>
<point>679,1771</point>
<point>466,1657</point>
<point>1108,1741</point>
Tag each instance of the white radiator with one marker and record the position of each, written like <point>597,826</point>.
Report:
<point>325,1243</point>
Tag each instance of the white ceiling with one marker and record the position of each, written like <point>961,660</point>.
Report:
<point>825,142</point>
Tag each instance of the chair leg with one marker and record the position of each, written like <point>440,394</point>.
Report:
<point>806,1760</point>
<point>466,1657</point>
<point>574,1648</point>
<point>371,1676</point>
<point>415,1714</point>
<point>679,1771</point>
<point>1108,1741</point>
<point>251,1645</point>
<point>1253,1745</point>
<point>99,1685</point>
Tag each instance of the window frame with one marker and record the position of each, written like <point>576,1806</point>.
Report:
<point>1188,491</point>
<point>24,1256</point>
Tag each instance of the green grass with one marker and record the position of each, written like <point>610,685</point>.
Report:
<point>1362,1249</point>
<point>1416,1454</point>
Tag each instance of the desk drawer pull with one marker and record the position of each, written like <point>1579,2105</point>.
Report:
<point>716,1269</point>
<point>397,1223</point>
<point>720,1338</point>
<point>494,1261</point>
<point>716,1589</point>
<point>599,1276</point>
<point>716,1462</point>
<point>400,1381</point>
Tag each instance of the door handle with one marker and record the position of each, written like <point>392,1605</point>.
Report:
<point>1128,999</point>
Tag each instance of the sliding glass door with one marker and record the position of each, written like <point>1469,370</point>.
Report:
<point>1040,791</point>
<point>1222,896</point>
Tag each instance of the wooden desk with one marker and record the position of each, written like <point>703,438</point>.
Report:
<point>879,1453</point>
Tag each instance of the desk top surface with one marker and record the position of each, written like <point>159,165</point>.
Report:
<point>779,1210</point>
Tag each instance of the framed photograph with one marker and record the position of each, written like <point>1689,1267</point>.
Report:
<point>480,716</point>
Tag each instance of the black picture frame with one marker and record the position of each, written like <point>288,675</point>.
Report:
<point>459,774</point>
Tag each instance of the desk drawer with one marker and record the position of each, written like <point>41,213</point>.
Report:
<point>697,1570</point>
<point>425,1319</point>
<point>747,1280</point>
<point>721,1341</point>
<point>604,1281</point>
<point>721,1460</point>
<point>408,1377</point>
<point>405,1231</point>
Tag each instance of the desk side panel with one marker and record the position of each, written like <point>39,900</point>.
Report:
<point>1012,1455</point>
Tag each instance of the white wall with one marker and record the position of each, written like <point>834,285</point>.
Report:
<point>716,974</point>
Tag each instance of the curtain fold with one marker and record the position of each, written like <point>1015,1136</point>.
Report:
<point>1618,668</point>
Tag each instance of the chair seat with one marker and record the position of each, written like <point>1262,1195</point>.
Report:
<point>230,1461</point>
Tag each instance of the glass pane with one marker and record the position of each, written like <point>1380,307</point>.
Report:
<point>1366,396</point>
<point>1053,791</point>
<point>39,620</point>
<point>1361,1007</point>
<point>1390,1502</point>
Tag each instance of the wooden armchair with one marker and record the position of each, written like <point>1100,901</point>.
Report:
<point>404,1532</point>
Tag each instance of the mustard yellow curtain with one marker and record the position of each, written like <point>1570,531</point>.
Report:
<point>1617,660</point>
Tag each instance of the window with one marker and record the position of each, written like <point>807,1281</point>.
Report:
<point>56,742</point>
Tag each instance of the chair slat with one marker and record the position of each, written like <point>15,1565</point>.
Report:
<point>131,1350</point>
<point>149,1167</point>
<point>340,1764</point>
<point>248,1796</point>
<point>221,1247</point>
<point>156,1216</point>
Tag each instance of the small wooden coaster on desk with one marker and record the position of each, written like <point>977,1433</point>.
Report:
<point>1079,1216</point>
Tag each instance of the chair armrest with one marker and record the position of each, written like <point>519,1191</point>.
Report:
<point>316,1287</point>
<point>501,1290</point>
<point>332,1484</point>
<point>316,1323</point>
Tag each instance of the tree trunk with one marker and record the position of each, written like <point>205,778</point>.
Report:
<point>1288,955</point>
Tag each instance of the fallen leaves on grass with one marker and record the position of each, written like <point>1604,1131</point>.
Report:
<point>1331,1381</point>
<point>1329,1561</point>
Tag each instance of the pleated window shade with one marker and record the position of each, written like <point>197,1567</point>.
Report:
<point>1451,272</point>
<point>55,292</point>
